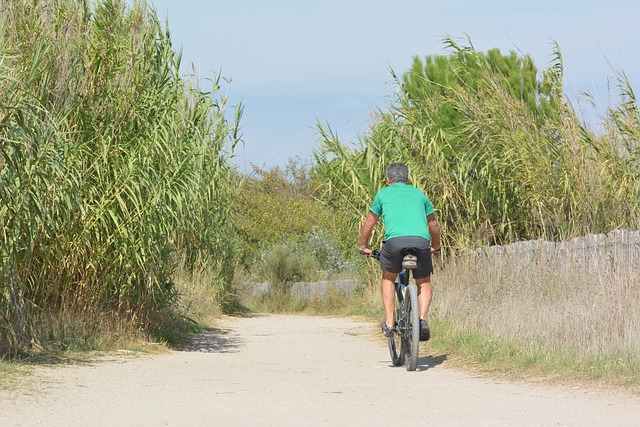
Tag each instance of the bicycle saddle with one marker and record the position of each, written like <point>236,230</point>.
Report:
<point>409,259</point>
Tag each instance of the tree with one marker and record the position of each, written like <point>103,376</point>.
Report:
<point>433,86</point>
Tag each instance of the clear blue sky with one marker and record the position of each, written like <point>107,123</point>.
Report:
<point>294,62</point>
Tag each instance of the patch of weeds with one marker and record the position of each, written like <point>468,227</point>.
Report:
<point>483,352</point>
<point>11,373</point>
<point>333,301</point>
<point>487,352</point>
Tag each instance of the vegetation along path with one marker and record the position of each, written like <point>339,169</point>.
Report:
<point>290,371</point>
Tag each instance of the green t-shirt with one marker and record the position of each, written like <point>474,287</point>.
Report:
<point>404,211</point>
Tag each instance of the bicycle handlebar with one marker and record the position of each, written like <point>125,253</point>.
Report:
<point>374,254</point>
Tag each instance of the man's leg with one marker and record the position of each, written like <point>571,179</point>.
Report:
<point>424,302</point>
<point>388,295</point>
<point>425,293</point>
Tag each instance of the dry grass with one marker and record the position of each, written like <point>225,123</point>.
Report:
<point>199,302</point>
<point>559,318</point>
<point>11,373</point>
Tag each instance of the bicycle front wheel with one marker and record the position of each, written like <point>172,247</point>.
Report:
<point>412,336</point>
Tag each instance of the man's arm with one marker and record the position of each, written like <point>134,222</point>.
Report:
<point>367,229</point>
<point>434,230</point>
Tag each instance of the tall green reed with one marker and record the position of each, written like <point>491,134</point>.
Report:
<point>114,166</point>
<point>502,158</point>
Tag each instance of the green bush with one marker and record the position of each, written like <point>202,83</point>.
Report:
<point>284,265</point>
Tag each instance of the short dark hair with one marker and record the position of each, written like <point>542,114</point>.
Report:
<point>398,172</point>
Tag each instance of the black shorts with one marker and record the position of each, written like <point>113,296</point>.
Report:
<point>391,255</point>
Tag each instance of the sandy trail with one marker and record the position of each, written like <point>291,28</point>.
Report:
<point>295,371</point>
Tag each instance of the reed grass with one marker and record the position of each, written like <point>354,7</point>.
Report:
<point>507,170</point>
<point>114,168</point>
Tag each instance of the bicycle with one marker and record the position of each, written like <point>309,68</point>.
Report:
<point>404,345</point>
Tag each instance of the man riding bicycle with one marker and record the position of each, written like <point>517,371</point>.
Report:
<point>409,222</point>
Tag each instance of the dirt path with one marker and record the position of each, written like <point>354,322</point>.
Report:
<point>295,371</point>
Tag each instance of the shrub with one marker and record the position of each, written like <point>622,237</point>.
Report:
<point>284,265</point>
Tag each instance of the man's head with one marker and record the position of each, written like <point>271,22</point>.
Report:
<point>397,172</point>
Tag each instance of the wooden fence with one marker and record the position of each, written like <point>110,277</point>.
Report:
<point>617,252</point>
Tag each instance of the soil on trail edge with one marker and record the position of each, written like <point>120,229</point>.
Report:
<point>295,371</point>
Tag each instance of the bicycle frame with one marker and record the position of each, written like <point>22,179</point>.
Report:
<point>406,328</point>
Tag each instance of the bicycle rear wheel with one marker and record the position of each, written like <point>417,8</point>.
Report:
<point>396,349</point>
<point>412,331</point>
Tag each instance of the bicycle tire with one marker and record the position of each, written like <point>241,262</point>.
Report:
<point>396,346</point>
<point>411,343</point>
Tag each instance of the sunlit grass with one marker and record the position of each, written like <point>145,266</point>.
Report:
<point>12,373</point>
<point>516,359</point>
<point>538,324</point>
<point>557,318</point>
